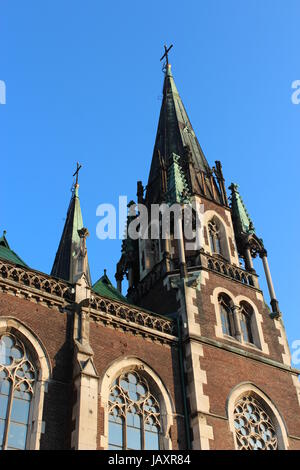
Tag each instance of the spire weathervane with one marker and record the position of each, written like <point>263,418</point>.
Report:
<point>167,50</point>
<point>76,173</point>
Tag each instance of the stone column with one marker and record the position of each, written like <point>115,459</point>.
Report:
<point>274,301</point>
<point>181,250</point>
<point>248,259</point>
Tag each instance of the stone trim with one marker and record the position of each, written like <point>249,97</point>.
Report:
<point>242,352</point>
<point>246,387</point>
<point>36,426</point>
<point>282,340</point>
<point>199,402</point>
<point>167,409</point>
<point>228,233</point>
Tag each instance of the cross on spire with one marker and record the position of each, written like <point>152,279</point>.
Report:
<point>76,173</point>
<point>167,50</point>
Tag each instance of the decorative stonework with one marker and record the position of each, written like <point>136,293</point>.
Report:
<point>254,419</point>
<point>257,331</point>
<point>166,407</point>
<point>221,266</point>
<point>34,285</point>
<point>254,427</point>
<point>9,325</point>
<point>131,316</point>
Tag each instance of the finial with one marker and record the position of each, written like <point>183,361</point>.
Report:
<point>167,50</point>
<point>4,233</point>
<point>104,272</point>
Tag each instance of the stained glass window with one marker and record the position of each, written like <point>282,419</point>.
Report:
<point>134,414</point>
<point>17,377</point>
<point>254,428</point>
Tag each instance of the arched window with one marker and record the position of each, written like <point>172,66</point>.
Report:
<point>226,315</point>
<point>214,237</point>
<point>17,379</point>
<point>134,414</point>
<point>246,313</point>
<point>254,428</point>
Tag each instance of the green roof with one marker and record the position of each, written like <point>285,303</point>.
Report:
<point>105,288</point>
<point>8,254</point>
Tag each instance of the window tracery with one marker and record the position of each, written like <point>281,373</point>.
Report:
<point>17,379</point>
<point>134,414</point>
<point>214,238</point>
<point>254,429</point>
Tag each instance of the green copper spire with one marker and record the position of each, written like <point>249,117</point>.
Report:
<point>175,135</point>
<point>70,247</point>
<point>241,219</point>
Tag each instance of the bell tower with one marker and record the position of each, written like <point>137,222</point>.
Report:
<point>234,345</point>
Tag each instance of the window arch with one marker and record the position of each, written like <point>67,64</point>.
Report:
<point>157,388</point>
<point>254,420</point>
<point>22,353</point>
<point>134,414</point>
<point>214,237</point>
<point>17,379</point>
<point>254,428</point>
<point>226,315</point>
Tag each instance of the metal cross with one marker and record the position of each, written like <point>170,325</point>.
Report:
<point>76,172</point>
<point>166,54</point>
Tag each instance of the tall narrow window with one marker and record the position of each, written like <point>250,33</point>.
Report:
<point>134,415</point>
<point>246,314</point>
<point>226,315</point>
<point>214,238</point>
<point>17,378</point>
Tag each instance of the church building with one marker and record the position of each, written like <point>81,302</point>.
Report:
<point>193,356</point>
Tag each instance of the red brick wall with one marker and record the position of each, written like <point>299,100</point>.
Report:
<point>226,370</point>
<point>111,344</point>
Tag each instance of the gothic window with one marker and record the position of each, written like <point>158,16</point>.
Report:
<point>246,315</point>
<point>254,429</point>
<point>214,238</point>
<point>17,378</point>
<point>134,414</point>
<point>226,315</point>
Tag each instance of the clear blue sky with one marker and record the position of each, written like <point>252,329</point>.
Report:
<point>84,84</point>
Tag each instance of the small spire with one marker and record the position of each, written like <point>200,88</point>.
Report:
<point>240,216</point>
<point>72,246</point>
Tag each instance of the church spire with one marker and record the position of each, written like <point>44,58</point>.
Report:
<point>71,257</point>
<point>175,135</point>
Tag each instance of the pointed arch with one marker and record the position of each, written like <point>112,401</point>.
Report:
<point>42,364</point>
<point>225,233</point>
<point>259,398</point>
<point>121,366</point>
